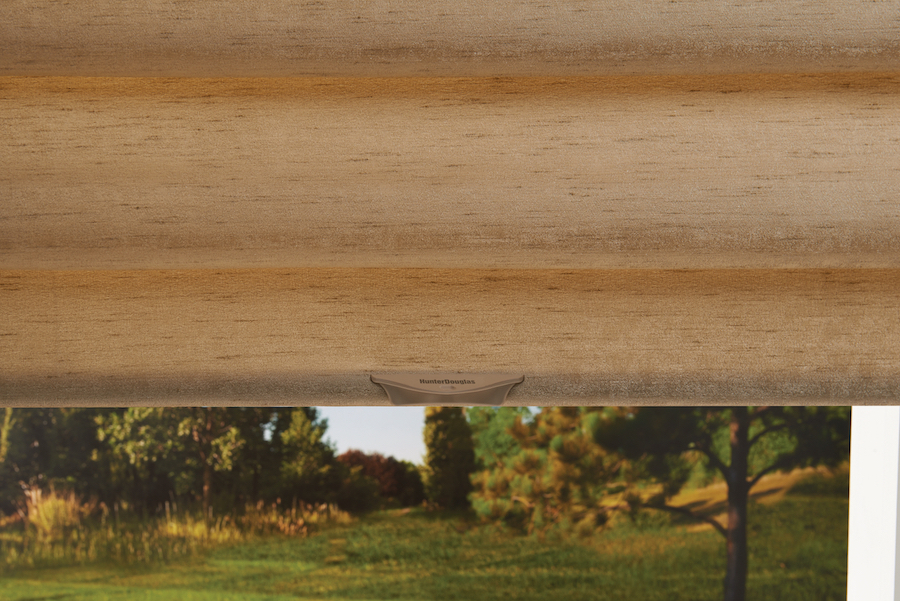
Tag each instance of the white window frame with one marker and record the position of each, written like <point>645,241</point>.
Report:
<point>874,484</point>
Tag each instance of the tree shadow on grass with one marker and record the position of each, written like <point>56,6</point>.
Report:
<point>705,509</point>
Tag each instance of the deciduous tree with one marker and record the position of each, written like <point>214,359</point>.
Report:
<point>398,481</point>
<point>665,439</point>
<point>52,447</point>
<point>202,436</point>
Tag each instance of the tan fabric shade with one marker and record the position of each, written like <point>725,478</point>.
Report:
<point>652,202</point>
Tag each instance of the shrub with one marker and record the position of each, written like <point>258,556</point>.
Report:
<point>54,514</point>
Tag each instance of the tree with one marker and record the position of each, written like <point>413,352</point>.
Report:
<point>666,439</point>
<point>51,448</point>
<point>397,481</point>
<point>140,444</point>
<point>549,472</point>
<point>309,470</point>
<point>449,458</point>
<point>412,489</point>
<point>215,442</point>
<point>491,433</point>
<point>8,422</point>
<point>257,457</point>
<point>375,466</point>
<point>202,436</point>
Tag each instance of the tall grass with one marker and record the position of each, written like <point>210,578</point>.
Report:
<point>56,528</point>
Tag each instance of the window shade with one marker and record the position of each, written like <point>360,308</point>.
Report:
<point>658,202</point>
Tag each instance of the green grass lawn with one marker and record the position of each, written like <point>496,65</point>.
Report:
<point>798,551</point>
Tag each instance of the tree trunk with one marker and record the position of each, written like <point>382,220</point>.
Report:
<point>204,438</point>
<point>4,433</point>
<point>736,570</point>
<point>137,490</point>
<point>254,492</point>
<point>207,489</point>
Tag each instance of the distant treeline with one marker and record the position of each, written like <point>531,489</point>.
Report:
<point>218,459</point>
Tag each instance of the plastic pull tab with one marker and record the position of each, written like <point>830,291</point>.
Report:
<point>446,390</point>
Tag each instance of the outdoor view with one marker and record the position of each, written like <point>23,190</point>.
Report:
<point>196,504</point>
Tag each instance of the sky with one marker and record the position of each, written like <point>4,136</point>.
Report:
<point>395,431</point>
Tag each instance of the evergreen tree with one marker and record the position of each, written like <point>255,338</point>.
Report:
<point>412,489</point>
<point>449,459</point>
<point>557,476</point>
<point>491,426</point>
<point>310,471</point>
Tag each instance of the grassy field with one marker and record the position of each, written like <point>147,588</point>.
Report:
<point>798,551</point>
